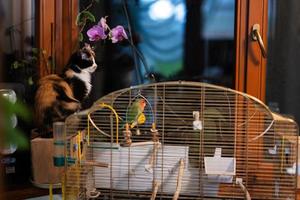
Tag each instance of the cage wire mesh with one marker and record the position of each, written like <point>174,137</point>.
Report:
<point>180,140</point>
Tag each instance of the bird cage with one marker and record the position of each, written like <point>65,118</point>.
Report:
<point>180,140</point>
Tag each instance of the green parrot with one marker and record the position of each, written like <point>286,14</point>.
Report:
<point>135,114</point>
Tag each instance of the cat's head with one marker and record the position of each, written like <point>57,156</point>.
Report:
<point>83,60</point>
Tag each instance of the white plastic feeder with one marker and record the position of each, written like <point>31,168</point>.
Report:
<point>219,169</point>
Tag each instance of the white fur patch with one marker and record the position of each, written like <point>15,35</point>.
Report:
<point>92,68</point>
<point>85,76</point>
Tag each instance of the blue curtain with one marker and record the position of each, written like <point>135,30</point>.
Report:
<point>161,37</point>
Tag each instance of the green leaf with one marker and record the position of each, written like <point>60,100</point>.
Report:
<point>34,59</point>
<point>78,21</point>
<point>21,110</point>
<point>97,1</point>
<point>80,37</point>
<point>15,136</point>
<point>15,65</point>
<point>35,50</point>
<point>89,16</point>
<point>24,62</point>
<point>84,15</point>
<point>30,81</point>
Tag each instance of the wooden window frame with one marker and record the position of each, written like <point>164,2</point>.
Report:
<point>250,74</point>
<point>57,34</point>
<point>250,67</point>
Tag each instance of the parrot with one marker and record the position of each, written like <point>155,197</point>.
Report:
<point>135,113</point>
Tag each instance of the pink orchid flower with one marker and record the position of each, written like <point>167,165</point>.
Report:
<point>96,33</point>
<point>118,34</point>
<point>103,23</point>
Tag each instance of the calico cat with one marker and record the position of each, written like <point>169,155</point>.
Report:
<point>58,96</point>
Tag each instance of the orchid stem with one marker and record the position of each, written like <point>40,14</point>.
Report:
<point>135,50</point>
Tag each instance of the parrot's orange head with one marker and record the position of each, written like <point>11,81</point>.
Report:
<point>143,103</point>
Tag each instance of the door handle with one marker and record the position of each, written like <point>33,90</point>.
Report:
<point>256,37</point>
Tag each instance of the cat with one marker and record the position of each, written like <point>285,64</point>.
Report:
<point>58,96</point>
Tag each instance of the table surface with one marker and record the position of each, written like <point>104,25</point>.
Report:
<point>24,191</point>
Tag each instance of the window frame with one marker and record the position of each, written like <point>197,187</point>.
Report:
<point>56,18</point>
<point>250,65</point>
<point>57,33</point>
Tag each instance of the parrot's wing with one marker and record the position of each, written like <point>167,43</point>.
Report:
<point>133,112</point>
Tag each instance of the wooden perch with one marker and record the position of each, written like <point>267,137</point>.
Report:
<point>179,179</point>
<point>152,159</point>
<point>244,189</point>
<point>95,164</point>
<point>156,185</point>
<point>135,144</point>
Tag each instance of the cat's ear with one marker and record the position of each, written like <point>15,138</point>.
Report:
<point>88,48</point>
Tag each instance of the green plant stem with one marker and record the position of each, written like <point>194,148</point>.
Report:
<point>85,18</point>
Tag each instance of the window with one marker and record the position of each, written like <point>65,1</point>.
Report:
<point>219,50</point>
<point>183,40</point>
<point>282,93</point>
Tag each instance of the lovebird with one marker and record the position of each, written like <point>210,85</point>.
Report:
<point>135,113</point>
